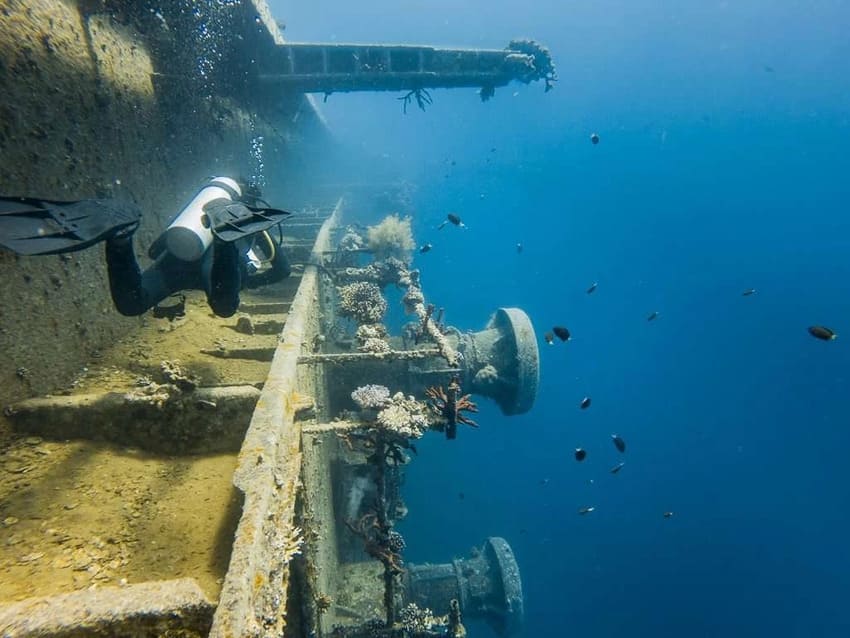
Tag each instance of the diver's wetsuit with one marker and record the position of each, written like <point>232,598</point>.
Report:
<point>221,273</point>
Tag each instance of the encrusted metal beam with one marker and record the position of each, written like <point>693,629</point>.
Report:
<point>330,68</point>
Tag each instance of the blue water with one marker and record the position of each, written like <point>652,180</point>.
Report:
<point>723,165</point>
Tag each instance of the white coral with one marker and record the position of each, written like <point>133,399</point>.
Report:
<point>404,416</point>
<point>371,396</point>
<point>362,301</point>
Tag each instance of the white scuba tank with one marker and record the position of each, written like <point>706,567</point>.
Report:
<point>189,235</point>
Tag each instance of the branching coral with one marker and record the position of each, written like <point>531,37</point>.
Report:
<point>392,237</point>
<point>380,541</point>
<point>362,301</point>
<point>449,405</point>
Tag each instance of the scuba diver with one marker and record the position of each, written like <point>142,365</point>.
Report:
<point>220,242</point>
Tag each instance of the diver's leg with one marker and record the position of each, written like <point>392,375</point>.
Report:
<point>133,292</point>
<point>222,270</point>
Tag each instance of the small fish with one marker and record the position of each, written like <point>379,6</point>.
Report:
<point>594,138</point>
<point>617,467</point>
<point>668,514</point>
<point>550,338</point>
<point>822,332</point>
<point>653,316</point>
<point>461,495</point>
<point>748,292</point>
<point>493,149</point>
<point>424,248</point>
<point>454,219</point>
<point>544,481</point>
<point>586,510</point>
<point>580,454</point>
<point>619,443</point>
<point>519,247</point>
<point>585,403</point>
<point>592,288</point>
<point>562,333</point>
<point>768,69</point>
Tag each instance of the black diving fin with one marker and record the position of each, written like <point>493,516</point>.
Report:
<point>46,227</point>
<point>231,220</point>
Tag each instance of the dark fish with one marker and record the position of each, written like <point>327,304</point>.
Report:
<point>617,467</point>
<point>493,150</point>
<point>424,248</point>
<point>592,288</point>
<point>653,316</point>
<point>544,481</point>
<point>822,332</point>
<point>768,68</point>
<point>454,219</point>
<point>461,495</point>
<point>519,247</point>
<point>594,138</point>
<point>562,333</point>
<point>585,403</point>
<point>586,510</point>
<point>668,514</point>
<point>619,443</point>
<point>550,338</point>
<point>748,292</point>
<point>580,454</point>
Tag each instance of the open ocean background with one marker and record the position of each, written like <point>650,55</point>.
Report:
<point>723,165</point>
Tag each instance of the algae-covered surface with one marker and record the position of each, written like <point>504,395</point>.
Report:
<point>76,514</point>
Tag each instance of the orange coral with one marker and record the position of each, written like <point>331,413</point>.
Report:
<point>448,405</point>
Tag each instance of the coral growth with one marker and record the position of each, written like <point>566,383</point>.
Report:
<point>382,272</point>
<point>362,301</point>
<point>371,396</point>
<point>287,546</point>
<point>379,541</point>
<point>372,338</point>
<point>450,406</point>
<point>392,237</point>
<point>414,619</point>
<point>173,372</point>
<point>374,345</point>
<point>487,376</point>
<point>351,240</point>
<point>404,416</point>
